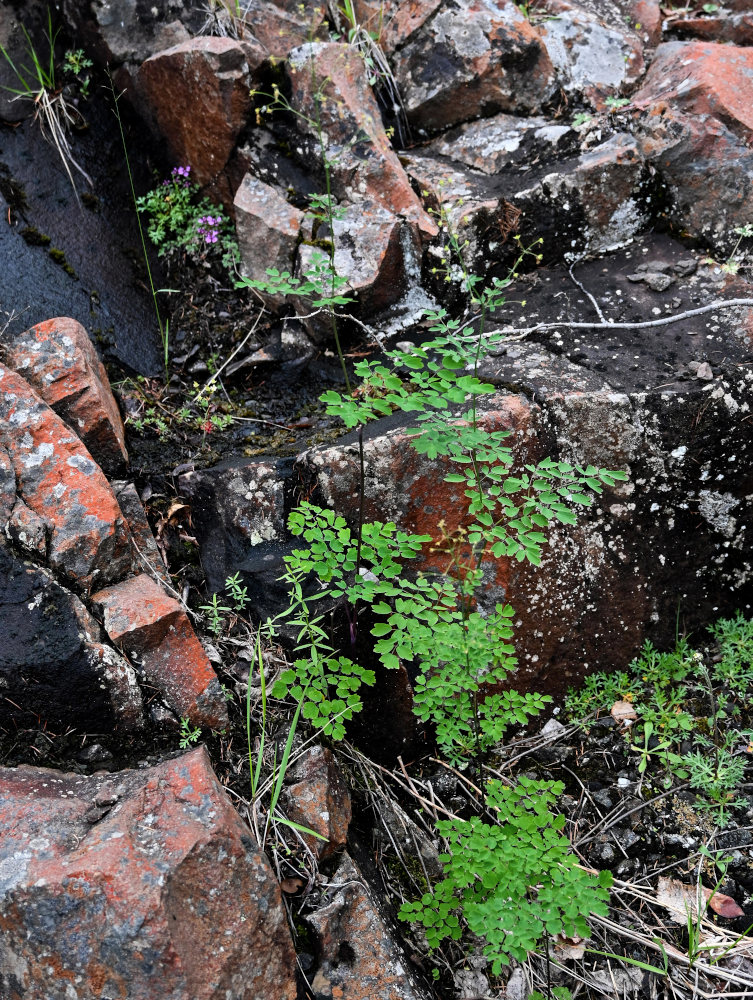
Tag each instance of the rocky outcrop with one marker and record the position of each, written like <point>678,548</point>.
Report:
<point>63,531</point>
<point>471,59</point>
<point>695,126</point>
<point>330,81</point>
<point>605,586</point>
<point>137,884</point>
<point>58,480</point>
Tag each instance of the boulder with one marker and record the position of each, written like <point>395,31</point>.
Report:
<point>358,956</point>
<point>198,95</point>
<point>373,250</point>
<point>539,180</point>
<point>136,884</point>
<point>283,25</point>
<point>54,669</point>
<point>471,59</point>
<point>626,399</point>
<point>268,228</point>
<point>392,22</point>
<point>154,631</point>
<point>132,31</point>
<point>238,510</point>
<point>88,539</point>
<point>317,797</point>
<point>59,362</point>
<point>595,46</point>
<point>723,25</point>
<point>695,125</point>
<point>331,80</point>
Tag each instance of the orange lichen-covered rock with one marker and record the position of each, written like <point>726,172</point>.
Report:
<point>59,362</point>
<point>136,884</point>
<point>60,482</point>
<point>153,629</point>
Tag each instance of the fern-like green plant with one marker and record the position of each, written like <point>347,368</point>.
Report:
<point>512,881</point>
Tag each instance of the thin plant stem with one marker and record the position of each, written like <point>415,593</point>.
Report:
<point>163,332</point>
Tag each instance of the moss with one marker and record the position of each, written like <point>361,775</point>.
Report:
<point>91,201</point>
<point>12,191</point>
<point>59,257</point>
<point>34,238</point>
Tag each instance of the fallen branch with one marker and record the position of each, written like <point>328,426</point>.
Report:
<point>608,325</point>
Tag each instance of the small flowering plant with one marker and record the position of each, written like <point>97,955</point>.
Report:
<point>180,221</point>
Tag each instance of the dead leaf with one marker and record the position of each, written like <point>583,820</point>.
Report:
<point>725,906</point>
<point>568,949</point>
<point>686,900</point>
<point>623,712</point>
<point>290,886</point>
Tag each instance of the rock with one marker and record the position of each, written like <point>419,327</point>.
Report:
<point>702,78</point>
<point>392,22</point>
<point>594,46</point>
<point>673,532</point>
<point>142,540</point>
<point>155,632</point>
<point>372,247</point>
<point>318,798</point>
<point>136,884</point>
<point>471,59</point>
<point>358,957</point>
<point>131,32</point>
<point>60,482</point>
<point>53,667</point>
<point>12,108</point>
<point>58,361</point>
<point>695,125</point>
<point>506,144</point>
<point>574,204</point>
<point>238,514</point>
<point>198,95</point>
<point>285,24</point>
<point>268,229</point>
<point>724,26</point>
<point>364,165</point>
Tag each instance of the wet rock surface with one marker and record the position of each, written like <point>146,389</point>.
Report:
<point>619,140</point>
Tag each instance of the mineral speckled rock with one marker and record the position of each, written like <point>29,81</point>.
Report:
<point>695,126</point>
<point>58,479</point>
<point>154,630</point>
<point>594,45</point>
<point>676,530</point>
<point>364,165</point>
<point>472,58</point>
<point>59,362</point>
<point>268,229</point>
<point>138,885</point>
<point>317,797</point>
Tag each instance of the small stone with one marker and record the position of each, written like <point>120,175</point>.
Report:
<point>657,281</point>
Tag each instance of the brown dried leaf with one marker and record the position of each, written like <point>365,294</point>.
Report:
<point>623,712</point>
<point>683,900</point>
<point>725,906</point>
<point>290,886</point>
<point>568,949</point>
